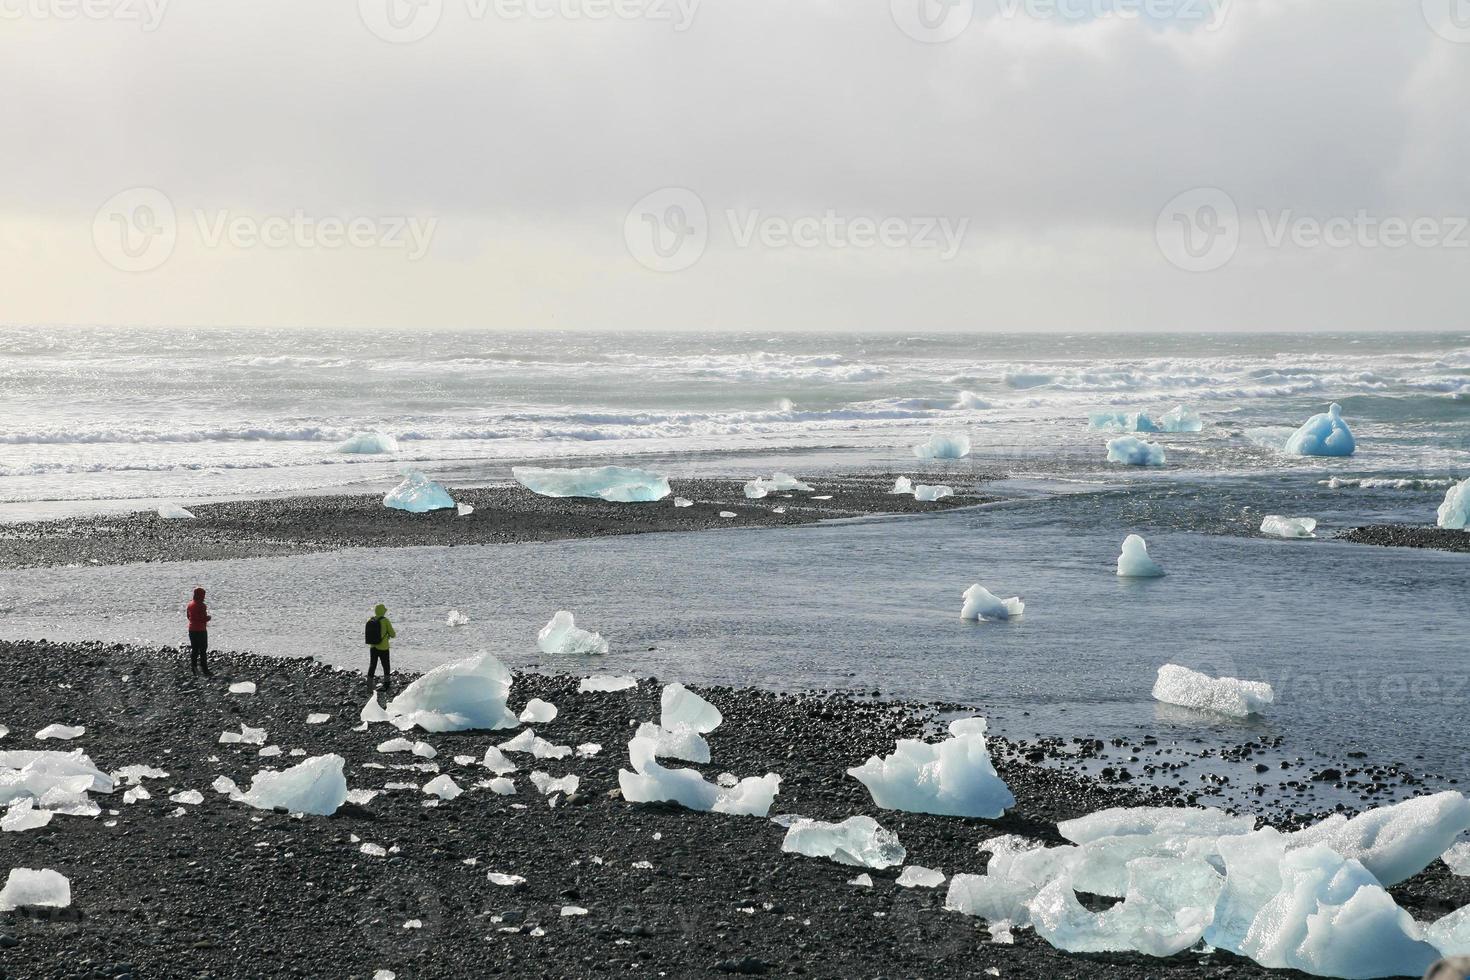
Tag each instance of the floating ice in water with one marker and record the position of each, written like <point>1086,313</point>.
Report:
<point>190,796</point>
<point>918,876</point>
<point>505,880</point>
<point>23,816</point>
<point>173,512</point>
<point>956,446</point>
<point>538,712</point>
<point>1181,418</point>
<point>1178,419</point>
<point>682,706</point>
<point>926,493</point>
<point>1458,859</point>
<point>455,697</point>
<point>758,488</point>
<point>31,888</point>
<point>63,732</point>
<point>1289,527</point>
<point>902,485</point>
<point>318,718</point>
<point>316,786</point>
<point>1133,451</point>
<point>970,400</point>
<point>562,637</point>
<point>683,502</point>
<point>546,785</point>
<point>680,742</point>
<point>496,761</point>
<point>369,443</point>
<point>1454,513</point>
<point>859,841</point>
<point>727,514</point>
<point>463,510</point>
<point>1323,435</point>
<point>1134,562</point>
<point>620,484</point>
<point>443,787</point>
<point>417,494</point>
<point>1393,842</point>
<point>954,777</point>
<point>980,603</point>
<point>605,683</point>
<point>456,618</point>
<point>243,687</point>
<point>650,782</point>
<point>1223,695</point>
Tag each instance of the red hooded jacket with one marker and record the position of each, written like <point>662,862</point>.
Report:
<point>198,613</point>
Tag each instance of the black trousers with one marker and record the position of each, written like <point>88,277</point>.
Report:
<point>198,649</point>
<point>376,655</point>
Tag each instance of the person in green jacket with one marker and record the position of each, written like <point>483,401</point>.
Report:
<point>381,627</point>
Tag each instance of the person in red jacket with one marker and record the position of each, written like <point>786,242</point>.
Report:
<point>198,615</point>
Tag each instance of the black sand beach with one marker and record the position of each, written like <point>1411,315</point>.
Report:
<point>1409,536</point>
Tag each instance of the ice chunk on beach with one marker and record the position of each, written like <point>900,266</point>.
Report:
<point>620,484</point>
<point>243,687</point>
<point>463,509</point>
<point>501,786</point>
<point>546,785</point>
<point>954,777</point>
<point>1458,859</point>
<point>395,745</point>
<point>1393,842</point>
<point>225,786</point>
<point>496,761</point>
<point>1145,821</point>
<point>1323,435</point>
<point>858,841</point>
<point>456,618</point>
<point>538,712</point>
<point>505,880</point>
<point>683,502</point>
<point>980,604</point>
<point>1167,906</point>
<point>39,773</point>
<point>562,637</point>
<point>1289,527</point>
<point>929,494</point>
<point>173,512</point>
<point>1134,562</point>
<point>1132,451</point>
<point>318,718</point>
<point>417,494</point>
<point>245,736</point>
<point>650,782</point>
<point>316,786</point>
<point>1454,513</point>
<point>918,876</point>
<point>681,742</point>
<point>454,697</point>
<point>970,400</point>
<point>373,712</point>
<point>443,787</point>
<point>1012,880</point>
<point>190,796</point>
<point>955,446</point>
<point>682,706</point>
<point>727,514</point>
<point>64,733</point>
<point>32,888</point>
<point>902,485</point>
<point>1223,695</point>
<point>23,816</point>
<point>759,488</point>
<point>368,443</point>
<point>605,683</point>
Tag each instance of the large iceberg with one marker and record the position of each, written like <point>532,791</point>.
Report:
<point>1323,435</point>
<point>562,637</point>
<point>682,707</point>
<point>418,494</point>
<point>369,443</point>
<point>1454,513</point>
<point>316,786</point>
<point>650,782</point>
<point>1133,451</point>
<point>954,777</point>
<point>857,841</point>
<point>956,446</point>
<point>33,888</point>
<point>455,697</point>
<point>1289,527</point>
<point>1134,562</point>
<point>981,603</point>
<point>1223,695</point>
<point>620,484</point>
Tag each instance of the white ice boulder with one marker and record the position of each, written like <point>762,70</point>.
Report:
<point>33,888</point>
<point>1168,904</point>
<point>605,684</point>
<point>1134,562</point>
<point>1393,842</point>
<point>1454,513</point>
<point>443,787</point>
<point>316,786</point>
<point>495,760</point>
<point>23,815</point>
<point>1289,527</point>
<point>37,773</point>
<point>918,876</point>
<point>64,733</point>
<point>546,784</point>
<point>955,777</point>
<point>368,443</point>
<point>462,509</point>
<point>372,712</point>
<point>562,637</point>
<point>1323,435</point>
<point>1132,451</point>
<point>955,446</point>
<point>418,494</point>
<point>927,494</point>
<point>1222,695</point>
<point>650,782</point>
<point>858,841</point>
<point>681,742</point>
<point>620,484</point>
<point>982,604</point>
<point>538,712</point>
<point>903,485</point>
<point>1012,880</point>
<point>682,707</point>
<point>460,696</point>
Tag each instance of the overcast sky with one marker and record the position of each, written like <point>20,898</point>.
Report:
<point>737,164</point>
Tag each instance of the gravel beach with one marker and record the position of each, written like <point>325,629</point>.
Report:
<point>1409,536</point>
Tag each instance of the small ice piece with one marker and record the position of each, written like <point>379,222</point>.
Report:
<point>970,400</point>
<point>361,797</point>
<point>863,880</point>
<point>858,841</point>
<point>1454,513</point>
<point>1393,842</point>
<point>414,924</point>
<point>1458,859</point>
<point>173,512</point>
<point>727,514</point>
<point>543,749</point>
<point>395,745</point>
<point>368,443</point>
<point>461,696</point>
<point>619,484</point>
<point>136,774</point>
<point>538,712</point>
<point>443,787</point>
<point>1323,435</point>
<point>373,850</point>
<point>270,751</point>
<point>588,749</point>
<point>501,786</point>
<point>903,485</point>
<point>64,733</point>
<point>1134,562</point>
<point>505,880</point>
<point>496,762</point>
<point>929,494</point>
<point>424,750</point>
<point>1222,695</point>
<point>464,510</point>
<point>956,446</point>
<point>135,794</point>
<point>785,482</point>
<point>682,706</point>
<point>918,876</point>
<point>605,683</point>
<point>562,637</point>
<point>778,510</point>
<point>982,604</point>
<point>242,687</point>
<point>32,888</point>
<point>456,618</point>
<point>464,760</point>
<point>417,494</point>
<point>245,736</point>
<point>385,975</point>
<point>954,777</point>
<point>546,785</point>
<point>755,490</point>
<point>190,796</point>
<point>522,742</point>
<point>372,712</point>
<point>23,816</point>
<point>679,742</point>
<point>316,786</point>
<point>4,731</point>
<point>1289,527</point>
<point>1132,451</point>
<point>318,718</point>
<point>225,786</point>
<point>571,910</point>
<point>683,502</point>
<point>650,782</point>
